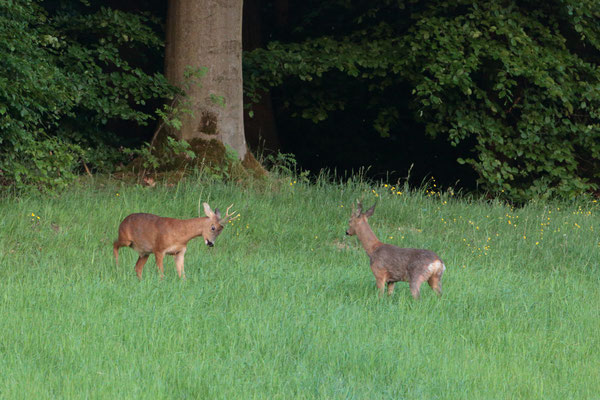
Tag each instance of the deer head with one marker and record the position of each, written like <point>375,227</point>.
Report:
<point>358,217</point>
<point>216,223</point>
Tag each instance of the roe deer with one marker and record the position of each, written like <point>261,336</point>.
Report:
<point>391,264</point>
<point>149,233</point>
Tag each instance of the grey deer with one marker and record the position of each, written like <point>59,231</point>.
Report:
<point>149,233</point>
<point>391,264</point>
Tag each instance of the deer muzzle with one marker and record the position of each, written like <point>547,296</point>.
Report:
<point>209,243</point>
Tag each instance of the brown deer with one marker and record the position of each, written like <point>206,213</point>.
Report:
<point>391,264</point>
<point>149,233</point>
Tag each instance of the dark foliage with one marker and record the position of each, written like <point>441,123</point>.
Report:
<point>518,82</point>
<point>68,70</point>
<point>513,86</point>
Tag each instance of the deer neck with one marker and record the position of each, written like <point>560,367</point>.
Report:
<point>193,228</point>
<point>367,238</point>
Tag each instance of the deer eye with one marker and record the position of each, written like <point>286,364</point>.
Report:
<point>212,228</point>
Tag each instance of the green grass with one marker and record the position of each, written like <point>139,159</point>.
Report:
<point>285,305</point>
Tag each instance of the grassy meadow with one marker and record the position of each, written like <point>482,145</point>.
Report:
<point>285,305</point>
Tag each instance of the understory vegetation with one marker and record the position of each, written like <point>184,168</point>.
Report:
<point>285,305</point>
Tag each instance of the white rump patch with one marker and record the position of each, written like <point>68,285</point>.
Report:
<point>436,267</point>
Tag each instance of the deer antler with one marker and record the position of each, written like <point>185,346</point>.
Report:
<point>358,210</point>
<point>229,217</point>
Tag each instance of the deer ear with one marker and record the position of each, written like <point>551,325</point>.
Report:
<point>207,210</point>
<point>370,211</point>
<point>218,213</point>
<point>358,207</point>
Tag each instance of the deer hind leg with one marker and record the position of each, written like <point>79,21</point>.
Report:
<point>435,281</point>
<point>391,288</point>
<point>116,246</point>
<point>116,252</point>
<point>139,265</point>
<point>436,284</point>
<point>415,286</point>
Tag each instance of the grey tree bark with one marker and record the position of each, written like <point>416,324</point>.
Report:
<point>208,34</point>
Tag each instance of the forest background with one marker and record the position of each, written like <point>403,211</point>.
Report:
<point>499,96</point>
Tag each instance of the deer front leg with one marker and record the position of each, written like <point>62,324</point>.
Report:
<point>179,263</point>
<point>380,282</point>
<point>380,278</point>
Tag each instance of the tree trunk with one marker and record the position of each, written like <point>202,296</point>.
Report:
<point>208,34</point>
